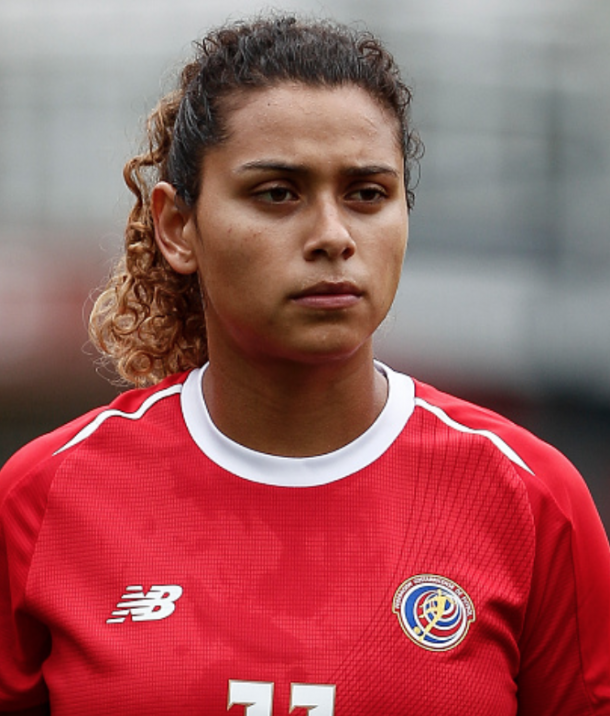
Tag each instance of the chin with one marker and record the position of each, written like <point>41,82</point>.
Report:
<point>321,353</point>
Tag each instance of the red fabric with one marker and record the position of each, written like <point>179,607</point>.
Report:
<point>296,586</point>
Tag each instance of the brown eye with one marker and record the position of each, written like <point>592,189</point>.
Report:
<point>276,195</point>
<point>367,194</point>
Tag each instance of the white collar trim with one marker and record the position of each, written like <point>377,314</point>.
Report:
<point>304,471</point>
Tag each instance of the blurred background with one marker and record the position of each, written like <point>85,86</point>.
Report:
<point>505,298</point>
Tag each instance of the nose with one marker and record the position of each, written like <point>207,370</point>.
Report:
<point>329,235</point>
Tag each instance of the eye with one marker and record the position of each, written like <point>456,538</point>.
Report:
<point>370,194</point>
<point>275,195</point>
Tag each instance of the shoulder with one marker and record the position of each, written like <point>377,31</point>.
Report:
<point>558,499</point>
<point>572,555</point>
<point>541,467</point>
<point>42,456</point>
<point>557,496</point>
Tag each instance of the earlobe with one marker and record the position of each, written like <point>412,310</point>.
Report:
<point>172,226</point>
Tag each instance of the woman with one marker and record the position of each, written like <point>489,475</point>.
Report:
<point>273,522</point>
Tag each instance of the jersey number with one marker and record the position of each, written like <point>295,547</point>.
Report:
<point>257,697</point>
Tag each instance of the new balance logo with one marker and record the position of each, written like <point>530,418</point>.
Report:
<point>158,603</point>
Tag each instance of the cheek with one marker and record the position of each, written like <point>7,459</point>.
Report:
<point>401,237</point>
<point>391,253</point>
<point>389,263</point>
<point>230,261</point>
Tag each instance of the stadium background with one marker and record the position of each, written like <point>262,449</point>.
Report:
<point>506,292</point>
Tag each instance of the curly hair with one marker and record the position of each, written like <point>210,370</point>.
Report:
<point>149,320</point>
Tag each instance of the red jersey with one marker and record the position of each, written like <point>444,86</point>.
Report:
<point>446,561</point>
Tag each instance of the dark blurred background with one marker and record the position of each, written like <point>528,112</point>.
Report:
<point>506,294</point>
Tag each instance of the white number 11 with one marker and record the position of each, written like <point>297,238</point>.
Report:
<point>257,697</point>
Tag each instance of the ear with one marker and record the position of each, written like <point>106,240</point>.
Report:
<point>173,229</point>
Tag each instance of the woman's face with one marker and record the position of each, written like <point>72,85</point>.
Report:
<point>301,225</point>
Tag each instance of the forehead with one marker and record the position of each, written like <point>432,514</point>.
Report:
<point>296,120</point>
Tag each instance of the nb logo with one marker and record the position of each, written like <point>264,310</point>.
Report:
<point>157,603</point>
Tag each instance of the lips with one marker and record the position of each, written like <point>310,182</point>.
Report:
<point>329,295</point>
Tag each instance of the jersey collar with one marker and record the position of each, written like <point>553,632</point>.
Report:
<point>303,471</point>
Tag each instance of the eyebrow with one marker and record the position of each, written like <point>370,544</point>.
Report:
<point>279,166</point>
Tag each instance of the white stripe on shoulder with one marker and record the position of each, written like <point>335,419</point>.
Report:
<point>495,439</point>
<point>106,414</point>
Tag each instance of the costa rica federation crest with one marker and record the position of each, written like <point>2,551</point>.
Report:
<point>433,611</point>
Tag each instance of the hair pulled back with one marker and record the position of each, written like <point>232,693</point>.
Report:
<point>149,320</point>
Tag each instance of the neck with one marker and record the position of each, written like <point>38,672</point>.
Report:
<point>294,409</point>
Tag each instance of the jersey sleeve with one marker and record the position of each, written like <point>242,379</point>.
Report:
<point>23,640</point>
<point>565,644</point>
<point>25,481</point>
